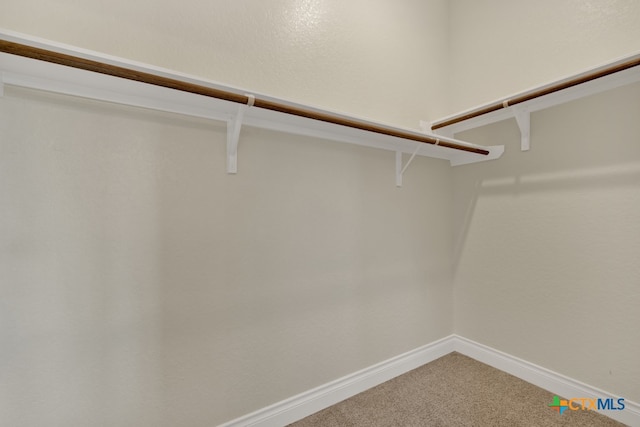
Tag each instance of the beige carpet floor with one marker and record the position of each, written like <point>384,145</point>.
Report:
<point>454,390</point>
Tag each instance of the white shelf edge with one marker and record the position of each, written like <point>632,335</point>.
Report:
<point>34,74</point>
<point>611,81</point>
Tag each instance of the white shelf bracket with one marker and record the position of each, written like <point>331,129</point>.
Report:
<point>523,117</point>
<point>233,135</point>
<point>401,169</point>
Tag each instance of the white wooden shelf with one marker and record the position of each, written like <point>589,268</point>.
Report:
<point>39,74</point>
<point>620,72</point>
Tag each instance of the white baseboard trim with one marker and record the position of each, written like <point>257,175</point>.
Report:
<point>312,401</point>
<point>544,378</point>
<point>309,402</point>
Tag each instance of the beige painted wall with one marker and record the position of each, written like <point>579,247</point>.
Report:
<point>548,240</point>
<point>372,58</point>
<point>142,285</point>
<point>501,47</point>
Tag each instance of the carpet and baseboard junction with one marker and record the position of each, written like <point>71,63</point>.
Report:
<point>450,382</point>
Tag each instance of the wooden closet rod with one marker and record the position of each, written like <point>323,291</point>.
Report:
<point>149,78</point>
<point>536,93</point>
